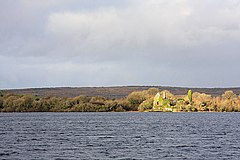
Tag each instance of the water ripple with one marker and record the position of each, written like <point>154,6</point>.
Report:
<point>119,136</point>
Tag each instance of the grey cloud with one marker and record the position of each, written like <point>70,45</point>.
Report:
<point>83,43</point>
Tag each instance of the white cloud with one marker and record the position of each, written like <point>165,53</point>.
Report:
<point>150,25</point>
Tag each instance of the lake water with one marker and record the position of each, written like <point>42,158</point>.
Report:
<point>120,135</point>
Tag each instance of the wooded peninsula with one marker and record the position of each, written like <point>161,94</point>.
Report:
<point>150,100</point>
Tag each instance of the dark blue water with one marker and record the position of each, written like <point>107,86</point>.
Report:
<point>119,135</point>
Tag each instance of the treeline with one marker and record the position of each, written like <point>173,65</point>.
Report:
<point>136,101</point>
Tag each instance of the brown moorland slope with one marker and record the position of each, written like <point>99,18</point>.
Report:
<point>114,92</point>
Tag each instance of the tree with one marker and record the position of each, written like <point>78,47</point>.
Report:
<point>146,105</point>
<point>135,99</point>
<point>8,103</point>
<point>85,99</point>
<point>229,95</point>
<point>19,105</point>
<point>124,103</point>
<point>1,102</point>
<point>119,109</point>
<point>190,96</point>
<point>152,91</point>
<point>1,94</point>
<point>98,100</point>
<point>28,101</point>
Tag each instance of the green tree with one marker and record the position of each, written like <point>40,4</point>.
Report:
<point>190,96</point>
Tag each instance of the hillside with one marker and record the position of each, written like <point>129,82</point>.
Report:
<point>113,92</point>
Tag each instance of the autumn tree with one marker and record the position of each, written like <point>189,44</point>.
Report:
<point>124,103</point>
<point>229,95</point>
<point>135,99</point>
<point>152,91</point>
<point>98,100</point>
<point>202,101</point>
<point>229,101</point>
<point>146,105</point>
<point>28,101</point>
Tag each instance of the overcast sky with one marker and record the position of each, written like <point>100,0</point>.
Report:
<point>51,43</point>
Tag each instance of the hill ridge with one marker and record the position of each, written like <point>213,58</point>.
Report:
<point>114,91</point>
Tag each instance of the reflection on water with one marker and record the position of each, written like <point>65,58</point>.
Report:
<point>119,135</point>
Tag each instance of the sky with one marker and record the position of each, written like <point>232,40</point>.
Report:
<point>75,43</point>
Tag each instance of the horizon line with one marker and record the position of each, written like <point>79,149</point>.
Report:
<point>112,86</point>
